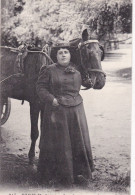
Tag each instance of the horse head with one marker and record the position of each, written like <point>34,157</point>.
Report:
<point>88,55</point>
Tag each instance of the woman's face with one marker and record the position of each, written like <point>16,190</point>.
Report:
<point>63,56</point>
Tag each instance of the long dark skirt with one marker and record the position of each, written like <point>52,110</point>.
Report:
<point>65,151</point>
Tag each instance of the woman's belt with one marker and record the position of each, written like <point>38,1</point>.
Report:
<point>69,101</point>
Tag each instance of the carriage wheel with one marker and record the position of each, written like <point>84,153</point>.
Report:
<point>5,110</point>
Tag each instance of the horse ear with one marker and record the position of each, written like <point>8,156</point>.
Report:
<point>85,35</point>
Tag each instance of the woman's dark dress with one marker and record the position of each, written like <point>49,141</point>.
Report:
<point>65,151</point>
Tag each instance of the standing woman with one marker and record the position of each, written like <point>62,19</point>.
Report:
<point>65,152</point>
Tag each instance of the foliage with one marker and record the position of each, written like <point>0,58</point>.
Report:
<point>125,13</point>
<point>112,17</point>
<point>54,20</point>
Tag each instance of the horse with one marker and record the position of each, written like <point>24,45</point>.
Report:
<point>20,73</point>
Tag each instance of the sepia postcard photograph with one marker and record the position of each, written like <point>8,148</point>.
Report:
<point>66,97</point>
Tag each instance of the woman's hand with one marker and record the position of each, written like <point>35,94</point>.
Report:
<point>55,102</point>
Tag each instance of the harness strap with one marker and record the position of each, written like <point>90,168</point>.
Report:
<point>11,48</point>
<point>87,42</point>
<point>81,59</point>
<point>43,52</point>
<point>20,60</point>
<point>19,74</point>
<point>97,70</point>
<point>47,51</point>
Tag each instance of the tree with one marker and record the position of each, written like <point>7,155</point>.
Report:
<point>113,17</point>
<point>125,14</point>
<point>26,21</point>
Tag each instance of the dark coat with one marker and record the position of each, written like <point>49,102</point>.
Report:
<point>65,151</point>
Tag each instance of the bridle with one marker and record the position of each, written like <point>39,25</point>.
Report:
<point>82,44</point>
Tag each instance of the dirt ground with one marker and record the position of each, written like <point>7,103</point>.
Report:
<point>108,113</point>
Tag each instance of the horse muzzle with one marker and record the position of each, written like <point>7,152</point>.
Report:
<point>94,79</point>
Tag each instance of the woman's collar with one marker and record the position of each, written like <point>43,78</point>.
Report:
<point>63,67</point>
<point>67,69</point>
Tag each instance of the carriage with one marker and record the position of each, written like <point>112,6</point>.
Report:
<point>5,110</point>
<point>19,72</point>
